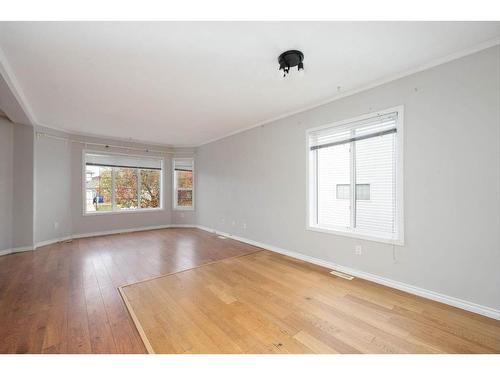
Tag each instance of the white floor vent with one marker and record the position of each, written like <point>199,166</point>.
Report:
<point>221,237</point>
<point>342,275</point>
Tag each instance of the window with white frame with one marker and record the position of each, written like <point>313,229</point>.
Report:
<point>121,183</point>
<point>355,177</point>
<point>183,179</point>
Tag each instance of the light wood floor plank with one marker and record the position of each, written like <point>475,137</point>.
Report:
<point>268,303</point>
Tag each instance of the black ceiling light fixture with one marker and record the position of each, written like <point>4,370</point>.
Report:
<point>289,59</point>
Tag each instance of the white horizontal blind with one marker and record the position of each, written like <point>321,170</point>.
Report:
<point>123,161</point>
<point>375,165</point>
<point>333,166</point>
<point>183,165</point>
<point>361,156</point>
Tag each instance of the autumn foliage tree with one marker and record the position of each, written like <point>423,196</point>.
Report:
<point>126,187</point>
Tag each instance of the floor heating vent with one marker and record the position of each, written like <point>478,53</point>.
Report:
<point>221,237</point>
<point>342,275</point>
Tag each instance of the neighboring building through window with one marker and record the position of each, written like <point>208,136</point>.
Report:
<point>362,191</point>
<point>355,177</point>
<point>183,179</point>
<point>119,183</point>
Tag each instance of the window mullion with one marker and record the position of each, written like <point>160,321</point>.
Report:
<point>353,183</point>
<point>112,188</point>
<point>138,188</point>
<point>316,159</point>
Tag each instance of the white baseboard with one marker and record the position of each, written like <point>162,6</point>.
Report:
<point>435,296</point>
<point>108,232</point>
<point>51,241</point>
<point>118,231</point>
<point>5,252</point>
<point>21,249</point>
<point>15,250</point>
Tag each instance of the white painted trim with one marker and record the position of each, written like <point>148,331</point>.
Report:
<point>108,232</point>
<point>15,88</point>
<point>356,234</point>
<point>10,76</point>
<point>435,296</point>
<point>398,239</point>
<point>448,300</point>
<point>175,207</point>
<point>113,211</point>
<point>22,249</point>
<point>5,252</point>
<point>51,241</point>
<point>16,250</point>
<point>371,85</point>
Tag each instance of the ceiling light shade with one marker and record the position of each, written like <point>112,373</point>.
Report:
<point>290,59</point>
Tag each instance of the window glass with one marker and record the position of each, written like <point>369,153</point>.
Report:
<point>353,181</point>
<point>185,198</point>
<point>98,188</point>
<point>116,182</point>
<point>150,188</point>
<point>184,179</point>
<point>334,169</point>
<point>183,183</point>
<point>125,188</point>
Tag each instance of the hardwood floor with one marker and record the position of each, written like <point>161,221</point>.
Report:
<point>63,298</point>
<point>268,303</point>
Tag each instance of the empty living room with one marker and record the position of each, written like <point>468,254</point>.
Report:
<point>249,191</point>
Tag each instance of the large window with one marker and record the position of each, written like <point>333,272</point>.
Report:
<point>183,177</point>
<point>355,177</point>
<point>121,183</point>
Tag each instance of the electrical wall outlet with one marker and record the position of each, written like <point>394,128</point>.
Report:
<point>244,225</point>
<point>234,223</point>
<point>358,250</point>
<point>56,225</point>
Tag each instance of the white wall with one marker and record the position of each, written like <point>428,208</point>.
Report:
<point>6,183</point>
<point>452,182</point>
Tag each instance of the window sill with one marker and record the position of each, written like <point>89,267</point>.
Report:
<point>358,235</point>
<point>183,209</point>
<point>137,211</point>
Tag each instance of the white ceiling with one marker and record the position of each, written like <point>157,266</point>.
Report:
<point>185,83</point>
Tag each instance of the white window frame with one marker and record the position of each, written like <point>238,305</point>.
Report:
<point>114,211</point>
<point>174,188</point>
<point>355,232</point>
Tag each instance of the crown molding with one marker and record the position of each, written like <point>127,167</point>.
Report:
<point>431,64</point>
<point>15,88</point>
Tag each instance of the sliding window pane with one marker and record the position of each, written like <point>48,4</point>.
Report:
<point>333,184</point>
<point>125,188</point>
<point>376,184</point>
<point>150,188</point>
<point>98,188</point>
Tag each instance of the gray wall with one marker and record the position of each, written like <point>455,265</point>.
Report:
<point>59,201</point>
<point>22,216</point>
<point>452,195</point>
<point>16,185</point>
<point>6,182</point>
<point>52,189</point>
